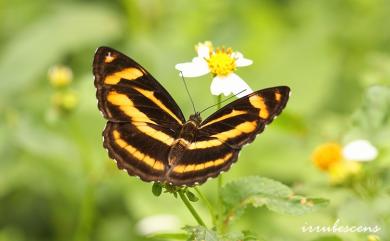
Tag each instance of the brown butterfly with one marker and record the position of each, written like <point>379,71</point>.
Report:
<point>148,136</point>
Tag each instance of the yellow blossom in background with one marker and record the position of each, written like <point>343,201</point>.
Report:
<point>340,171</point>
<point>341,162</point>
<point>60,76</point>
<point>326,155</point>
<point>65,100</point>
<point>373,237</point>
<point>69,101</point>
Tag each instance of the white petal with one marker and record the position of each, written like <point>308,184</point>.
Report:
<point>203,51</point>
<point>218,86</point>
<point>197,67</point>
<point>158,223</point>
<point>240,60</point>
<point>360,150</point>
<point>239,87</point>
<point>229,84</point>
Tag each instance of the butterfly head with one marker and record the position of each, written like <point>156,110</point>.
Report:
<point>195,118</point>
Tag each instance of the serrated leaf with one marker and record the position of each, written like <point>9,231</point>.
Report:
<point>259,191</point>
<point>200,233</point>
<point>240,189</point>
<point>296,205</point>
<point>239,236</point>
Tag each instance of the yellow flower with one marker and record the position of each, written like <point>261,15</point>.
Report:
<point>326,155</point>
<point>373,237</point>
<point>221,63</point>
<point>60,76</point>
<point>66,101</point>
<point>338,172</point>
<point>343,162</point>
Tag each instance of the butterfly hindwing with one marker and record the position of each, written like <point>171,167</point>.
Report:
<point>131,150</point>
<point>222,135</point>
<point>197,165</point>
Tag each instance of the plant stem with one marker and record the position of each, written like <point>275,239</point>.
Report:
<point>208,204</point>
<point>220,181</point>
<point>191,208</point>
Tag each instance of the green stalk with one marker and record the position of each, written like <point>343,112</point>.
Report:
<point>220,181</point>
<point>208,204</point>
<point>191,208</point>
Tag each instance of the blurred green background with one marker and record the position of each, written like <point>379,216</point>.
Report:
<point>56,180</point>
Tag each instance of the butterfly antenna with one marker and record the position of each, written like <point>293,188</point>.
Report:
<point>185,85</point>
<point>222,101</point>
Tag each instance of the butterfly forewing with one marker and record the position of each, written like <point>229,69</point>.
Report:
<point>127,92</point>
<point>239,122</point>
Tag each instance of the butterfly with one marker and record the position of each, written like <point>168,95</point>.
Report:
<point>148,136</point>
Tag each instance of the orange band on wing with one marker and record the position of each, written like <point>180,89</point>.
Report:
<point>139,118</point>
<point>204,144</point>
<point>231,114</point>
<point>150,95</point>
<point>127,74</point>
<point>136,153</point>
<point>258,102</point>
<point>245,127</point>
<point>201,166</point>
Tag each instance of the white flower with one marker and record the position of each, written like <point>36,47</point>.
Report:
<point>158,224</point>
<point>221,63</point>
<point>360,150</point>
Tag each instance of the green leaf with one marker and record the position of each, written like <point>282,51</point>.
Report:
<point>328,238</point>
<point>156,189</point>
<point>191,196</point>
<point>40,141</point>
<point>240,236</point>
<point>169,236</point>
<point>44,43</point>
<point>372,119</point>
<point>200,233</point>
<point>259,191</point>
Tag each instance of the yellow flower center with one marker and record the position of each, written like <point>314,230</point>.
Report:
<point>326,155</point>
<point>221,62</point>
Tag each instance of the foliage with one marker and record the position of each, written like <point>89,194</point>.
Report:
<point>259,191</point>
